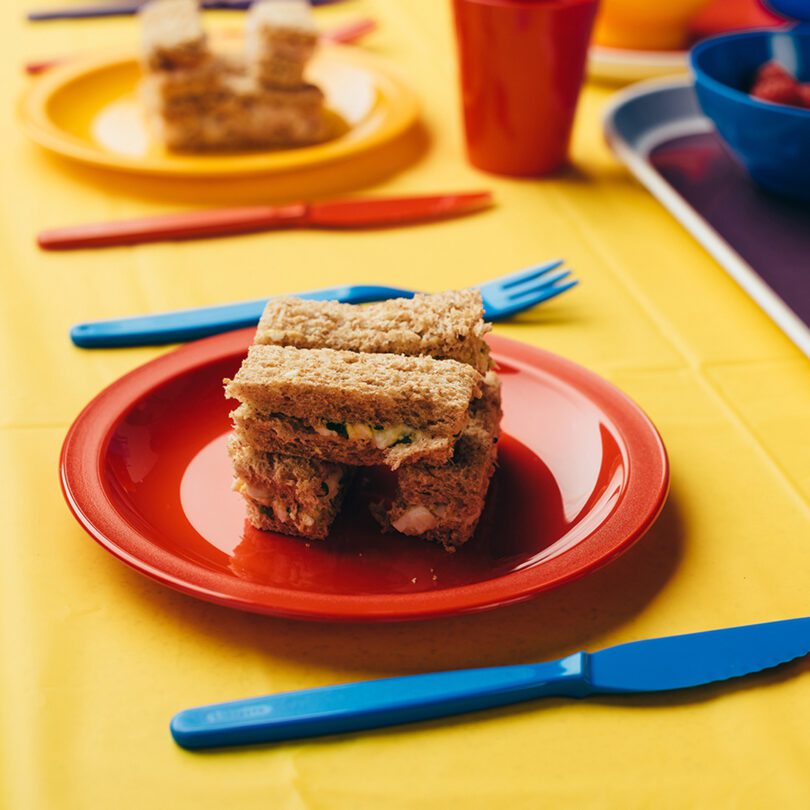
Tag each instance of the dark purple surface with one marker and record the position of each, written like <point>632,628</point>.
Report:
<point>772,235</point>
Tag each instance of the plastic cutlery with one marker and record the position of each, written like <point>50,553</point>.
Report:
<point>373,212</point>
<point>502,297</point>
<point>655,665</point>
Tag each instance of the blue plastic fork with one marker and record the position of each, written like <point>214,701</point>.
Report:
<point>502,298</point>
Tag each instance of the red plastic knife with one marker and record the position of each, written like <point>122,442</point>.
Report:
<point>377,212</point>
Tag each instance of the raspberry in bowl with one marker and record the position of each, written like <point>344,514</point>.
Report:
<point>775,83</point>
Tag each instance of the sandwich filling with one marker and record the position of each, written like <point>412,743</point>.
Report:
<point>275,507</point>
<point>284,493</point>
<point>266,496</point>
<point>418,519</point>
<point>379,434</point>
<point>382,436</point>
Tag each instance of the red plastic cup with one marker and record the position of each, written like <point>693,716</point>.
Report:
<point>521,64</point>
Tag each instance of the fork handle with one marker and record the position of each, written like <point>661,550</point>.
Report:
<point>191,324</point>
<point>372,704</point>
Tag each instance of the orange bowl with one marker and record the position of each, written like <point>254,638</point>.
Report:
<point>645,25</point>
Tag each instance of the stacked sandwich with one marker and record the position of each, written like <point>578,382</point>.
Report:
<point>197,99</point>
<point>327,388</point>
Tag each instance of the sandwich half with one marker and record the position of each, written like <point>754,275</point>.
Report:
<point>352,407</point>
<point>289,495</point>
<point>443,503</point>
<point>445,325</point>
<point>280,39</point>
<point>172,35</point>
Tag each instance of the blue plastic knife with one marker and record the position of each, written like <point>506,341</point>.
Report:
<point>655,665</point>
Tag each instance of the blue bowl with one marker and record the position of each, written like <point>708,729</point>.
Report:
<point>771,140</point>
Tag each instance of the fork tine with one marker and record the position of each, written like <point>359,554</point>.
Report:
<point>529,288</point>
<point>546,293</point>
<point>538,297</point>
<point>528,274</point>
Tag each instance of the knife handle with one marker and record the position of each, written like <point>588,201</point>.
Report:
<point>184,225</point>
<point>373,704</point>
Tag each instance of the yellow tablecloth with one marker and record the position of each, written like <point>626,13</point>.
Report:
<point>95,658</point>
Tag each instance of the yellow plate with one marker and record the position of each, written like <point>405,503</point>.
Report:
<point>88,110</point>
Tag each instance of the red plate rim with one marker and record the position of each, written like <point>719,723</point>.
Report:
<point>81,475</point>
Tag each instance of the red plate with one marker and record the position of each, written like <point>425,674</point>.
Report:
<point>582,475</point>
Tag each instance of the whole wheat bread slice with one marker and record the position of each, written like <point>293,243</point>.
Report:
<point>445,325</point>
<point>339,387</point>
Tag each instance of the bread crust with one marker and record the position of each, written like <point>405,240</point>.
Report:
<point>445,325</point>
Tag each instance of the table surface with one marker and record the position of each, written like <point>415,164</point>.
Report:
<point>95,658</point>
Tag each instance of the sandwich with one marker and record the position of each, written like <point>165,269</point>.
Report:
<point>172,36</point>
<point>445,325</point>
<point>288,494</point>
<point>352,407</point>
<point>327,387</point>
<point>280,39</point>
<point>443,503</point>
<point>196,99</point>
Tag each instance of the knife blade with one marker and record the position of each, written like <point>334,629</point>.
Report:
<point>132,6</point>
<point>681,662</point>
<point>377,212</point>
<point>662,664</point>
